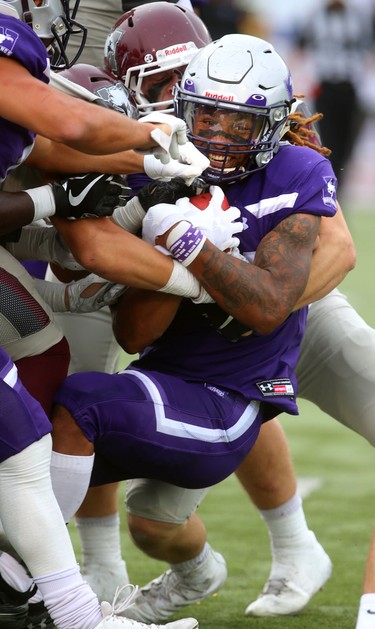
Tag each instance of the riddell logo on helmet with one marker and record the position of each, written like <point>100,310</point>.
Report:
<point>175,50</point>
<point>227,97</point>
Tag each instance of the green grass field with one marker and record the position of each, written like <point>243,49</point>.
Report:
<point>341,511</point>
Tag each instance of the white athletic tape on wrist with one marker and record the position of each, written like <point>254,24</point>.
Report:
<point>182,283</point>
<point>129,216</point>
<point>44,201</point>
<point>185,242</point>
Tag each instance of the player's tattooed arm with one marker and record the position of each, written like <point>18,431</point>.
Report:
<point>263,294</point>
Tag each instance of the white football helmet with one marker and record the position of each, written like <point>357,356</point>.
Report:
<point>242,79</point>
<point>50,20</point>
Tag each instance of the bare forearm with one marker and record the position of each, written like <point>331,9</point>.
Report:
<point>104,248</point>
<point>16,210</point>
<point>56,158</point>
<point>68,120</point>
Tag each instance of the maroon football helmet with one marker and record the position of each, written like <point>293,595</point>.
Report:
<point>110,92</point>
<point>151,39</point>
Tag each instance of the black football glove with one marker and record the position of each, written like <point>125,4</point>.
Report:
<point>169,191</point>
<point>131,216</point>
<point>89,195</point>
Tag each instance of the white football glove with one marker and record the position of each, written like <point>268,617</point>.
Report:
<point>92,293</point>
<point>86,295</point>
<point>217,225</point>
<point>168,145</point>
<point>192,164</point>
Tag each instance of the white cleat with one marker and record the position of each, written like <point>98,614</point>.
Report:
<point>104,580</point>
<point>168,594</point>
<point>111,619</point>
<point>293,581</point>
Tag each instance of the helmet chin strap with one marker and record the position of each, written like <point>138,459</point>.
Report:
<point>26,13</point>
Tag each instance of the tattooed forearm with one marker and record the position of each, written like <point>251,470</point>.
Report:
<point>263,294</point>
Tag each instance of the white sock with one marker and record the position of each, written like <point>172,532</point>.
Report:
<point>26,492</point>
<point>366,612</point>
<point>100,542</point>
<point>287,526</point>
<point>69,599</point>
<point>184,567</point>
<point>70,477</point>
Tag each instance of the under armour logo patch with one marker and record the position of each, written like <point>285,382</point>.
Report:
<point>281,387</point>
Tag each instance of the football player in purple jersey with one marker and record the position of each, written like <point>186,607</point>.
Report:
<point>156,509</point>
<point>300,565</point>
<point>282,191</point>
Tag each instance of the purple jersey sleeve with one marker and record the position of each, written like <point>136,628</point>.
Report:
<point>19,42</point>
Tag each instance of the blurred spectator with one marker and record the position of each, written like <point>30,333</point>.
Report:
<point>221,17</point>
<point>338,36</point>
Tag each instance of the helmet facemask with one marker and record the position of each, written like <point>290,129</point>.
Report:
<point>243,88</point>
<point>236,138</point>
<point>137,78</point>
<point>53,22</point>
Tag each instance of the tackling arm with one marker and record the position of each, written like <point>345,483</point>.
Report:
<point>62,118</point>
<point>332,259</point>
<point>115,254</point>
<point>56,158</point>
<point>140,317</point>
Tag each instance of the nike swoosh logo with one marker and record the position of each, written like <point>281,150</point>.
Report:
<point>370,611</point>
<point>74,201</point>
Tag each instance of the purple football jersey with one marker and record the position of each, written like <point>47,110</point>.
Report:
<point>19,42</point>
<point>260,367</point>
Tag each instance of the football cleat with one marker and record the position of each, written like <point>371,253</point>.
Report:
<point>168,594</point>
<point>112,620</point>
<point>294,579</point>
<point>38,617</point>
<point>13,606</point>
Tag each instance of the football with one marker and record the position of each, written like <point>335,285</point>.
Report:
<point>202,200</point>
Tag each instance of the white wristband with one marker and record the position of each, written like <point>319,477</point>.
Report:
<point>44,201</point>
<point>182,283</point>
<point>129,216</point>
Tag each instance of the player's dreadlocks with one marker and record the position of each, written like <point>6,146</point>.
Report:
<point>302,130</point>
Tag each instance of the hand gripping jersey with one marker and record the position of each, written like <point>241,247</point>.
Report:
<point>260,367</point>
<point>19,42</point>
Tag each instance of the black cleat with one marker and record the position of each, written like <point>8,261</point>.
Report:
<point>13,606</point>
<point>38,617</point>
